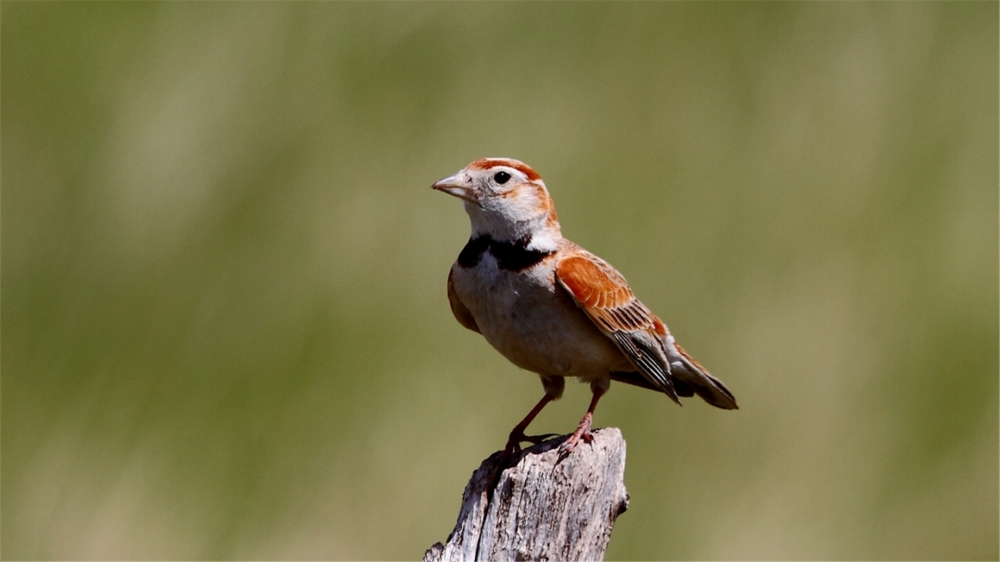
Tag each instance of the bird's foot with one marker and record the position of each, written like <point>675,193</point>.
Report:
<point>517,437</point>
<point>582,433</point>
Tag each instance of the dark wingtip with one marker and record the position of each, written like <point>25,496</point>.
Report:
<point>669,391</point>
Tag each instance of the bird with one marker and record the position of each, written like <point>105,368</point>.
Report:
<point>553,308</point>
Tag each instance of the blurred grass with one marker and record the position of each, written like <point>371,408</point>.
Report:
<point>224,326</point>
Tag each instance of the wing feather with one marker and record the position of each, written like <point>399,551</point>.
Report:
<point>605,297</point>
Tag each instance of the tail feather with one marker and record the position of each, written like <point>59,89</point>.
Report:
<point>687,371</point>
<point>687,377</point>
<point>682,388</point>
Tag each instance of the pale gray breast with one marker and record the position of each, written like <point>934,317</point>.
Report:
<point>529,319</point>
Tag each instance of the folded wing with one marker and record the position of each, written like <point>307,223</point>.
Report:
<point>604,295</point>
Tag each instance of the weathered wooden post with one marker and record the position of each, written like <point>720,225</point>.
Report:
<point>543,507</point>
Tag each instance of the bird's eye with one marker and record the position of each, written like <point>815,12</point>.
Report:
<point>501,177</point>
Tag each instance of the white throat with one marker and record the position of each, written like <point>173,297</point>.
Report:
<point>543,234</point>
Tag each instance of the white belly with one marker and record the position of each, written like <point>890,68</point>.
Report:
<point>534,323</point>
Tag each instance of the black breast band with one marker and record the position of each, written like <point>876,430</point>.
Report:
<point>512,256</point>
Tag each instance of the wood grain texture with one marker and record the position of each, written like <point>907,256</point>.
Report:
<point>542,507</point>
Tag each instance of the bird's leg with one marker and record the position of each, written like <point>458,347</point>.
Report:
<point>517,435</point>
<point>583,430</point>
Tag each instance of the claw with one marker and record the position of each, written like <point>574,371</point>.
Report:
<point>545,437</point>
<point>582,432</point>
<point>517,437</point>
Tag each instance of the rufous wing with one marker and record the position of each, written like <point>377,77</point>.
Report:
<point>605,297</point>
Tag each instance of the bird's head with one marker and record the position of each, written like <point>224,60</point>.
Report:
<point>506,200</point>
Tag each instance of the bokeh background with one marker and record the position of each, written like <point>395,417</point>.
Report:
<point>225,332</point>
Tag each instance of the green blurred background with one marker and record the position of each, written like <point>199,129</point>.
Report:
<point>225,330</point>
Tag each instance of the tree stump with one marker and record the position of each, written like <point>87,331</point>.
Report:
<point>543,507</point>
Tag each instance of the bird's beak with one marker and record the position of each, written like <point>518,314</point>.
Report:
<point>457,185</point>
